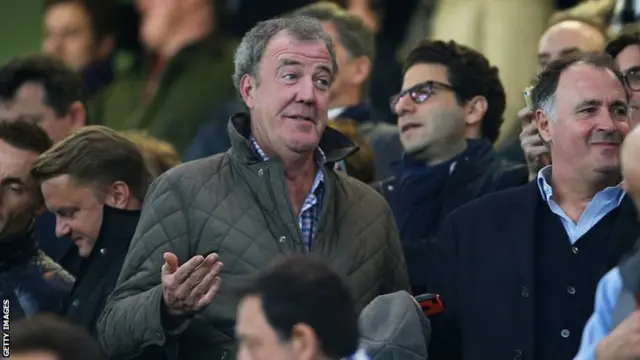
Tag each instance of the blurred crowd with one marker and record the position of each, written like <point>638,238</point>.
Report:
<point>323,180</point>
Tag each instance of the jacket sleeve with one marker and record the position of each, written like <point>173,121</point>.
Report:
<point>131,319</point>
<point>396,277</point>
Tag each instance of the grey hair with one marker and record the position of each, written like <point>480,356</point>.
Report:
<point>548,107</point>
<point>252,47</point>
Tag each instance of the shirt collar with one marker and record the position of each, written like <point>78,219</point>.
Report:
<point>334,113</point>
<point>320,156</point>
<point>544,178</point>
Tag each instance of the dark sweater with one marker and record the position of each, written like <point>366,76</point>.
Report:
<point>566,276</point>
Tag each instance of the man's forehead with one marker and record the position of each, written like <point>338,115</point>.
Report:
<point>285,45</point>
<point>586,77</point>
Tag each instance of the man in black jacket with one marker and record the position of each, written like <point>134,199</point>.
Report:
<point>94,182</point>
<point>517,270</point>
<point>449,115</point>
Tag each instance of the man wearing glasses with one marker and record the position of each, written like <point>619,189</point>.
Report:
<point>449,114</point>
<point>625,49</point>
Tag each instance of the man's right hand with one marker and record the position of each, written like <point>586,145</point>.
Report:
<point>535,151</point>
<point>623,343</point>
<point>189,288</point>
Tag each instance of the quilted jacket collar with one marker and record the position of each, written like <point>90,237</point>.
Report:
<point>334,144</point>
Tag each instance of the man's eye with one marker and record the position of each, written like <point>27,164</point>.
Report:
<point>324,83</point>
<point>289,76</point>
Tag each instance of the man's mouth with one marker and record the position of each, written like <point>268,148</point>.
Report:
<point>410,126</point>
<point>300,117</point>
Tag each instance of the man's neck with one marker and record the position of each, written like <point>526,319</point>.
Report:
<point>346,99</point>
<point>573,193</point>
<point>191,30</point>
<point>446,154</point>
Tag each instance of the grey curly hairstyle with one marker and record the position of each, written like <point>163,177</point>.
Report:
<point>253,44</point>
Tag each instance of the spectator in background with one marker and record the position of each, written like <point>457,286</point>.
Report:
<point>354,44</point>
<point>29,279</point>
<point>615,14</point>
<point>386,73</point>
<point>449,114</point>
<point>47,337</point>
<point>187,74</point>
<point>83,34</point>
<point>625,49</point>
<point>274,193</point>
<point>557,235</point>
<point>159,156</point>
<point>44,91</point>
<point>299,309</point>
<point>569,35</point>
<point>359,165</point>
<point>94,182</point>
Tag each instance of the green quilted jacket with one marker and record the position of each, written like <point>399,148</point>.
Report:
<point>238,206</point>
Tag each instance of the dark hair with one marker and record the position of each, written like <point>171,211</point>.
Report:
<point>62,85</point>
<point>51,333</point>
<point>24,135</point>
<point>630,35</point>
<point>102,15</point>
<point>546,84</point>
<point>301,290</point>
<point>357,39</point>
<point>469,74</point>
<point>96,156</point>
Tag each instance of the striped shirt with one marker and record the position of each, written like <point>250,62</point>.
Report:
<point>309,216</point>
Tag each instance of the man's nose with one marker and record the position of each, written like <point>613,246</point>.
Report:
<point>306,90</point>
<point>62,229</point>
<point>404,105</point>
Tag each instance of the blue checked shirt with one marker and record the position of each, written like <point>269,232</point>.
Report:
<point>309,216</point>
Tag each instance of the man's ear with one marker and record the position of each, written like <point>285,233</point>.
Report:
<point>118,195</point>
<point>304,342</point>
<point>475,109</point>
<point>78,114</point>
<point>544,125</point>
<point>361,70</point>
<point>247,90</point>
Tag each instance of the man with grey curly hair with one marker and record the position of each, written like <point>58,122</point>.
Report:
<point>273,194</point>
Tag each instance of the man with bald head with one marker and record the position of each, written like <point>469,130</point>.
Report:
<point>565,36</point>
<point>613,331</point>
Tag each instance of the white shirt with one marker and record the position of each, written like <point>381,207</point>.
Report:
<point>334,113</point>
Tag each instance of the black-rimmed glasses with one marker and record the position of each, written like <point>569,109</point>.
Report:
<point>418,93</point>
<point>632,78</point>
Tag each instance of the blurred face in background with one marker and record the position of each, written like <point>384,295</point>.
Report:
<point>362,9</point>
<point>430,118</point>
<point>19,199</point>
<point>30,104</point>
<point>352,72</point>
<point>158,19</point>
<point>68,34</point>
<point>628,61</point>
<point>568,37</point>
